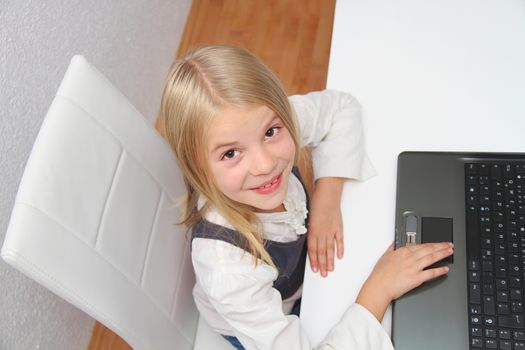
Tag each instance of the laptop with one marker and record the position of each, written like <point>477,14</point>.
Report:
<point>475,200</point>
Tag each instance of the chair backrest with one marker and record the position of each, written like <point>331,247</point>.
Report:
<point>94,218</point>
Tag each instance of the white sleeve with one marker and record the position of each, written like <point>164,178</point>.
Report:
<point>357,329</point>
<point>243,296</point>
<point>330,122</point>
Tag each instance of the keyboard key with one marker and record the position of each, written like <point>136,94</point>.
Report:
<point>490,321</point>
<point>503,309</point>
<point>489,306</point>
<point>501,272</point>
<point>495,172</point>
<point>505,345</point>
<point>483,180</point>
<point>518,335</point>
<point>474,276</point>
<point>501,260</point>
<point>471,168</point>
<point>515,282</point>
<point>475,309</point>
<point>490,333</point>
<point>514,259</point>
<point>504,334</point>
<point>486,242</point>
<point>472,200</point>
<point>487,265</point>
<point>474,264</point>
<point>501,284</point>
<point>483,169</point>
<point>508,171</point>
<point>499,238</point>
<point>488,277</point>
<point>476,342</point>
<point>488,289</point>
<point>475,293</point>
<point>472,179</point>
<point>517,307</point>
<point>491,344</point>
<point>484,200</point>
<point>502,296</point>
<point>519,346</point>
<point>514,321</point>
<point>476,332</point>
<point>515,294</point>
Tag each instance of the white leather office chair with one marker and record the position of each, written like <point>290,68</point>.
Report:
<point>94,218</point>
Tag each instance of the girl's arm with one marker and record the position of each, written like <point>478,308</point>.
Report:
<point>330,123</point>
<point>325,230</point>
<point>232,293</point>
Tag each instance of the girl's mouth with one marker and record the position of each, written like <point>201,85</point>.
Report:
<point>270,186</point>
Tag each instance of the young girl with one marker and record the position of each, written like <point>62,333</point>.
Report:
<point>237,138</point>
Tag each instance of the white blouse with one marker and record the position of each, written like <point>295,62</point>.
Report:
<point>237,298</point>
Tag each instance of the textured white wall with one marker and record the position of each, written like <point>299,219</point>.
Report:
<point>132,42</point>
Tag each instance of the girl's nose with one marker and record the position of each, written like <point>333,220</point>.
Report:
<point>263,162</point>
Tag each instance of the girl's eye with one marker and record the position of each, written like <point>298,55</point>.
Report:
<point>271,132</point>
<point>229,154</point>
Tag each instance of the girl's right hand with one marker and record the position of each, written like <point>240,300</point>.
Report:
<point>399,271</point>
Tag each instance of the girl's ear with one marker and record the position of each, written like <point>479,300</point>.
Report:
<point>159,126</point>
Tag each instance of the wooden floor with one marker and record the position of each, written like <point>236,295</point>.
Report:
<point>292,37</point>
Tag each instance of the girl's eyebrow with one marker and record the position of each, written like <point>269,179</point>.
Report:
<point>224,145</point>
<point>274,118</point>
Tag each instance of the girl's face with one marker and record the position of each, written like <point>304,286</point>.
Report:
<point>251,155</point>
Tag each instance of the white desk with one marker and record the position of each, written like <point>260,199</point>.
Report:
<point>431,75</point>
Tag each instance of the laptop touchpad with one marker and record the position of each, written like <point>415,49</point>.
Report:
<point>437,230</point>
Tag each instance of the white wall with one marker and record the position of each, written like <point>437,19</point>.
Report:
<point>132,42</point>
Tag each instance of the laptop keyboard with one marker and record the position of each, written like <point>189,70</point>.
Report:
<point>495,200</point>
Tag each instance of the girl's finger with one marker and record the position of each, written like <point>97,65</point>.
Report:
<point>420,250</point>
<point>430,274</point>
<point>321,255</point>
<point>330,250</point>
<point>340,244</point>
<point>433,257</point>
<point>312,253</point>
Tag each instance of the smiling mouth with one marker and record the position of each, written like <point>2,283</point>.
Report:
<point>269,186</point>
<point>271,183</point>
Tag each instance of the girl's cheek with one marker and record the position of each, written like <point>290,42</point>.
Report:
<point>290,147</point>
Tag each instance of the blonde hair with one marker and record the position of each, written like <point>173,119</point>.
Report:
<point>199,85</point>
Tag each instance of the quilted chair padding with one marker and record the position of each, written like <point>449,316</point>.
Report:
<point>95,217</point>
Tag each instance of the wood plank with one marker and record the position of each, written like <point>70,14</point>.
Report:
<point>104,339</point>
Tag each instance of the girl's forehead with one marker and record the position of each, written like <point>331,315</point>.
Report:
<point>233,117</point>
<point>232,124</point>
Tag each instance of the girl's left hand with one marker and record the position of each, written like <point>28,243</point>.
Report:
<point>325,229</point>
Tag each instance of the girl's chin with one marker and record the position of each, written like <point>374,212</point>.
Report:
<point>279,208</point>
<point>272,205</point>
